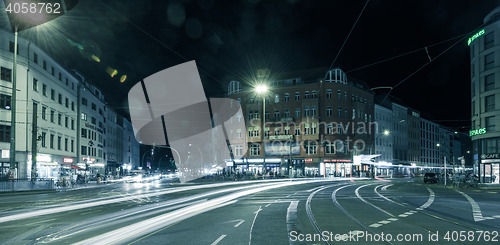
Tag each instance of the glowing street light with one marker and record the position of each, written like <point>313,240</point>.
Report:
<point>262,89</point>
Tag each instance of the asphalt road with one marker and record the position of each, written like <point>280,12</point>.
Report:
<point>314,211</point>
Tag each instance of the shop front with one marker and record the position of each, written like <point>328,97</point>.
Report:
<point>337,167</point>
<point>489,168</point>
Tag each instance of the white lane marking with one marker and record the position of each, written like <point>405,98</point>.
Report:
<point>268,205</point>
<point>34,223</point>
<point>376,225</point>
<point>253,223</point>
<point>239,223</point>
<point>313,189</point>
<point>369,203</point>
<point>387,186</point>
<point>476,211</point>
<point>384,222</point>
<point>429,201</point>
<point>218,240</point>
<point>291,218</point>
<point>392,219</point>
<point>403,215</point>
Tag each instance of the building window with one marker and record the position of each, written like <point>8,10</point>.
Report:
<point>66,144</point>
<point>286,98</point>
<point>277,131</point>
<point>84,133</point>
<point>489,102</point>
<point>6,74</point>
<point>53,94</point>
<point>52,112</point>
<point>4,133</point>
<point>238,133</point>
<point>297,131</point>
<point>94,107</point>
<point>328,93</point>
<point>84,116</point>
<point>489,82</point>
<point>11,47</point>
<point>35,58</point>
<point>314,94</point>
<point>488,40</point>
<point>490,124</point>
<point>339,111</point>
<point>314,127</point>
<point>277,115</point>
<point>72,105</point>
<point>66,122</point>
<point>306,129</point>
<point>297,112</point>
<point>489,61</point>
<point>287,113</point>
<point>72,145</point>
<point>5,101</point>
<point>44,135</point>
<point>44,89</point>
<point>72,124</point>
<point>238,150</point>
<point>490,146</point>
<point>329,129</point>
<point>310,148</point>
<point>44,65</point>
<point>84,150</point>
<point>329,111</point>
<point>84,101</point>
<point>53,71</point>
<point>306,95</point>
<point>60,77</point>
<point>297,96</point>
<point>313,110</point>
<point>51,141</point>
<point>276,98</point>
<point>287,130</point>
<point>306,111</point>
<point>59,119</point>
<point>330,148</point>
<point>254,150</point>
<point>44,112</point>
<point>60,98</point>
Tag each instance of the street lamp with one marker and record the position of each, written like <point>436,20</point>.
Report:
<point>386,132</point>
<point>262,89</point>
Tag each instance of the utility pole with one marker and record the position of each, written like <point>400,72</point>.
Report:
<point>34,141</point>
<point>13,108</point>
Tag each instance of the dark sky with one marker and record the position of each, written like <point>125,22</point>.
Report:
<point>232,39</point>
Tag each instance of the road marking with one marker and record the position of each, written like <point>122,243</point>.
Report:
<point>476,211</point>
<point>218,240</point>
<point>268,205</point>
<point>387,186</point>
<point>291,219</point>
<point>392,219</point>
<point>384,222</point>
<point>239,223</point>
<point>376,225</point>
<point>429,201</point>
<point>369,203</point>
<point>34,223</point>
<point>253,223</point>
<point>403,215</point>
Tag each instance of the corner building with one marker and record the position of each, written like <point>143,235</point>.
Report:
<point>315,123</point>
<point>485,98</point>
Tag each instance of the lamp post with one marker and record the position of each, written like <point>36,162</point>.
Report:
<point>13,107</point>
<point>385,133</point>
<point>262,90</point>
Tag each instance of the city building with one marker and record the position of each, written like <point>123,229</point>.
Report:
<point>383,140</point>
<point>315,122</point>
<point>67,133</point>
<point>485,98</point>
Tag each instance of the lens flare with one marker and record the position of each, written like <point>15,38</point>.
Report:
<point>112,72</point>
<point>96,58</point>
<point>123,78</point>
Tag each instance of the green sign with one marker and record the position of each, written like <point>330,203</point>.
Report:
<point>480,33</point>
<point>477,131</point>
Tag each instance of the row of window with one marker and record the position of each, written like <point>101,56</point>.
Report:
<point>68,122</point>
<point>68,145</point>
<point>91,151</point>
<point>310,112</point>
<point>310,148</point>
<point>314,94</point>
<point>66,102</point>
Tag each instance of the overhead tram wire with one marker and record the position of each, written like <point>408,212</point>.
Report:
<point>162,43</point>
<point>427,63</point>
<point>348,35</point>
<point>404,54</point>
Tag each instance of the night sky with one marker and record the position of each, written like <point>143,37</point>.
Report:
<point>230,40</point>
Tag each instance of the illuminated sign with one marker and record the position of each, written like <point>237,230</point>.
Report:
<point>68,160</point>
<point>477,132</point>
<point>480,33</point>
